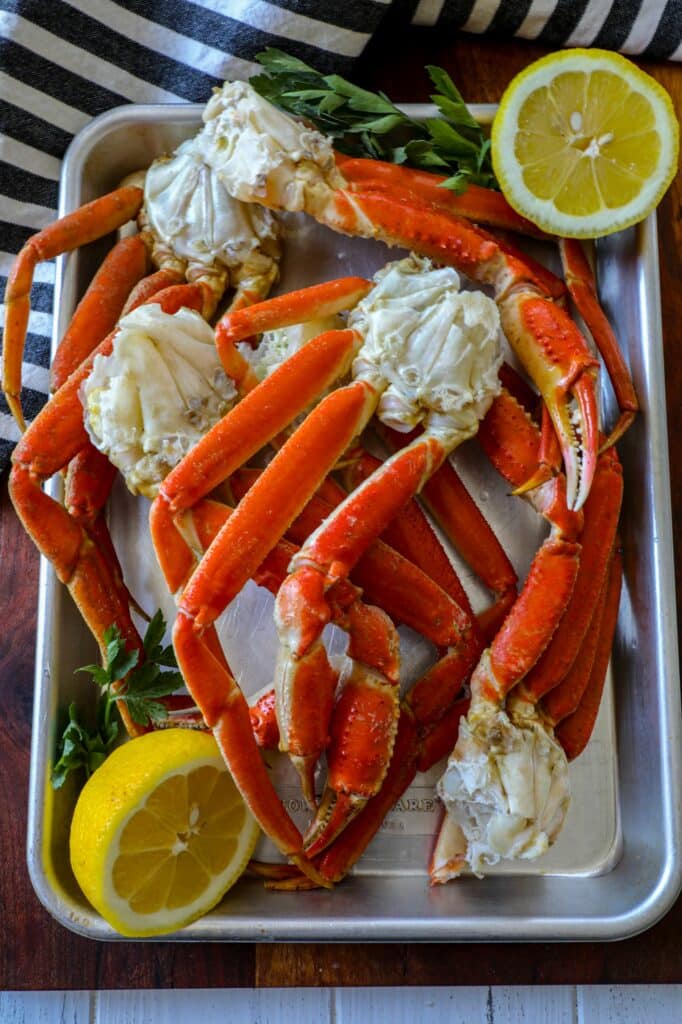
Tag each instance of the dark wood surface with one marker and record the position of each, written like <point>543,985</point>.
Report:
<point>37,953</point>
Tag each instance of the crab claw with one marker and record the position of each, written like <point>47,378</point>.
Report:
<point>336,810</point>
<point>576,422</point>
<point>554,354</point>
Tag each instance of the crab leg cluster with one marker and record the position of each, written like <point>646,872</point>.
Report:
<point>423,358</point>
<point>263,156</point>
<point>530,809</point>
<point>193,230</point>
<point>506,780</point>
<point>286,485</point>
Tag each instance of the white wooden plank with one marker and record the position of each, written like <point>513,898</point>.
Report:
<point>619,1004</point>
<point>629,1004</point>
<point>533,1004</point>
<point>45,1007</point>
<point>449,1005</point>
<point>214,1006</point>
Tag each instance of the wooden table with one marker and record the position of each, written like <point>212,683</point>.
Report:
<point>37,953</point>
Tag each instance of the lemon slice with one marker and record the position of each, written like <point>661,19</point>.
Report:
<point>584,143</point>
<point>160,832</point>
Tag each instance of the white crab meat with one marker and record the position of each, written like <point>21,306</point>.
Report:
<point>161,389</point>
<point>506,784</point>
<point>436,346</point>
<point>275,347</point>
<point>261,154</point>
<point>196,226</point>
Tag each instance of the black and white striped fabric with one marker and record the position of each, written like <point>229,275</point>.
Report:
<point>644,28</point>
<point>62,63</point>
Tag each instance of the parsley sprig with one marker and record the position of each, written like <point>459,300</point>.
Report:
<point>81,747</point>
<point>363,123</point>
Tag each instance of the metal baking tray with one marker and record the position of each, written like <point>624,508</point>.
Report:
<point>616,867</point>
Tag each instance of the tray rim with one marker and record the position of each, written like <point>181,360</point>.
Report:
<point>486,927</point>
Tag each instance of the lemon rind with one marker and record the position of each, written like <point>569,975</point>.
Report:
<point>543,212</point>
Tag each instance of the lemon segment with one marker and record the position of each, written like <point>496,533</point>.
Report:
<point>584,143</point>
<point>160,833</point>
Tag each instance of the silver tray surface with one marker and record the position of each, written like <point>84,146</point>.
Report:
<point>616,867</point>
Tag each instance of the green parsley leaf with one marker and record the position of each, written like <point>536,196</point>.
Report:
<point>154,634</point>
<point>277,60</point>
<point>140,687</point>
<point>363,123</point>
<point>80,748</point>
<point>450,141</point>
<point>450,99</point>
<point>143,711</point>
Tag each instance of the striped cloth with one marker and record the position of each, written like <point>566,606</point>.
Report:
<point>646,28</point>
<point>62,63</point>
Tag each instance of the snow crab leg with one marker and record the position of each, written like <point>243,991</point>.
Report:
<point>332,550</point>
<point>487,207</point>
<point>250,533</point>
<point>526,630</point>
<point>574,711</point>
<point>90,222</point>
<point>582,286</point>
<point>452,507</point>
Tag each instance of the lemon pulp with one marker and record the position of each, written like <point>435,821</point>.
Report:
<point>183,835</point>
<point>584,143</point>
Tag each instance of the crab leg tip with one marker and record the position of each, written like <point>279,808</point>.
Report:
<point>542,475</point>
<point>312,875</point>
<point>336,810</point>
<point>305,766</point>
<point>14,403</point>
<point>585,393</point>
